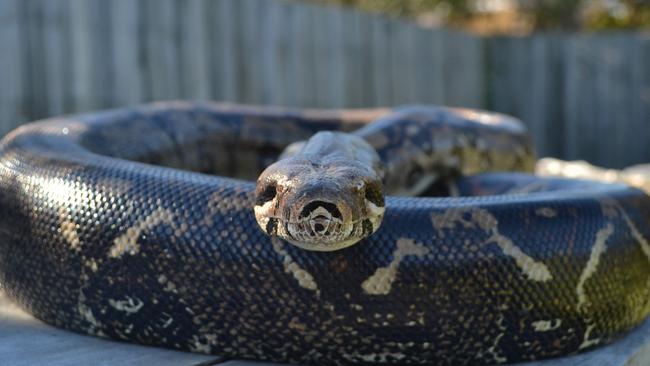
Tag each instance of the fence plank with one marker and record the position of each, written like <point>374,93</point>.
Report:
<point>31,18</point>
<point>403,71</point>
<point>83,92</point>
<point>355,73</point>
<point>162,51</point>
<point>221,55</point>
<point>428,69</point>
<point>273,56</point>
<point>193,67</point>
<point>328,61</point>
<point>125,56</point>
<point>641,97</point>
<point>382,85</point>
<point>464,70</point>
<point>600,103</point>
<point>516,62</point>
<point>55,32</point>
<point>11,67</point>
<point>303,57</point>
<point>572,92</point>
<point>251,17</point>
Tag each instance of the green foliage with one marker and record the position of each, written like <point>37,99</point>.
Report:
<point>541,14</point>
<point>628,14</point>
<point>554,14</point>
<point>405,8</point>
<point>589,14</point>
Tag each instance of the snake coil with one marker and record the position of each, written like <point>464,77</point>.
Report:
<point>121,224</point>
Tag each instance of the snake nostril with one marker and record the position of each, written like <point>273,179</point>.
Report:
<point>266,194</point>
<point>374,194</point>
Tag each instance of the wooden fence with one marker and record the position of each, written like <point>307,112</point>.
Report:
<point>582,96</point>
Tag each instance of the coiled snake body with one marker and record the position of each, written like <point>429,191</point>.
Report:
<point>102,233</point>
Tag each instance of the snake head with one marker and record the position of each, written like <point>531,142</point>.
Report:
<point>320,202</point>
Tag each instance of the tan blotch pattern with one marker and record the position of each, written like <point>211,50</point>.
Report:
<point>304,278</point>
<point>473,217</point>
<point>546,212</point>
<point>127,243</point>
<point>68,229</point>
<point>382,280</point>
<point>597,251</point>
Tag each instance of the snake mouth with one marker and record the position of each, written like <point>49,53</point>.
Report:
<point>320,216</point>
<point>318,223</point>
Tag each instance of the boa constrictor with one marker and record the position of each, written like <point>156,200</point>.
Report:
<point>121,224</point>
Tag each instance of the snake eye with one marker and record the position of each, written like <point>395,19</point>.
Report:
<point>374,195</point>
<point>267,194</point>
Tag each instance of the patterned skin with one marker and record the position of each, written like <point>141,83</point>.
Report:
<point>102,233</point>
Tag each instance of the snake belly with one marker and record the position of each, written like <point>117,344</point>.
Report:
<point>109,227</point>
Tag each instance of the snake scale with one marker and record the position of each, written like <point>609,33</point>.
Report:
<point>123,224</point>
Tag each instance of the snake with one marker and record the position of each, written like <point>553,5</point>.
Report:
<point>407,235</point>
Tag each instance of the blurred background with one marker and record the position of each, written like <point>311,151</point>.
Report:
<point>577,72</point>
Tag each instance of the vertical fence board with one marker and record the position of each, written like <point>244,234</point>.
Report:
<point>83,91</point>
<point>221,50</point>
<point>546,114</point>
<point>572,80</point>
<point>355,52</point>
<point>381,56</point>
<point>102,69</point>
<point>599,108</point>
<point>334,58</point>
<point>193,68</point>
<point>92,70</point>
<point>464,70</point>
<point>162,50</point>
<point>516,63</point>
<point>283,21</point>
<point>126,52</point>
<point>295,50</point>
<point>55,32</point>
<point>273,56</point>
<point>252,15</point>
<point>615,97</point>
<point>642,99</point>
<point>31,19</point>
<point>427,72</point>
<point>598,100</point>
<point>304,57</point>
<point>435,39</point>
<point>404,72</point>
<point>11,67</point>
